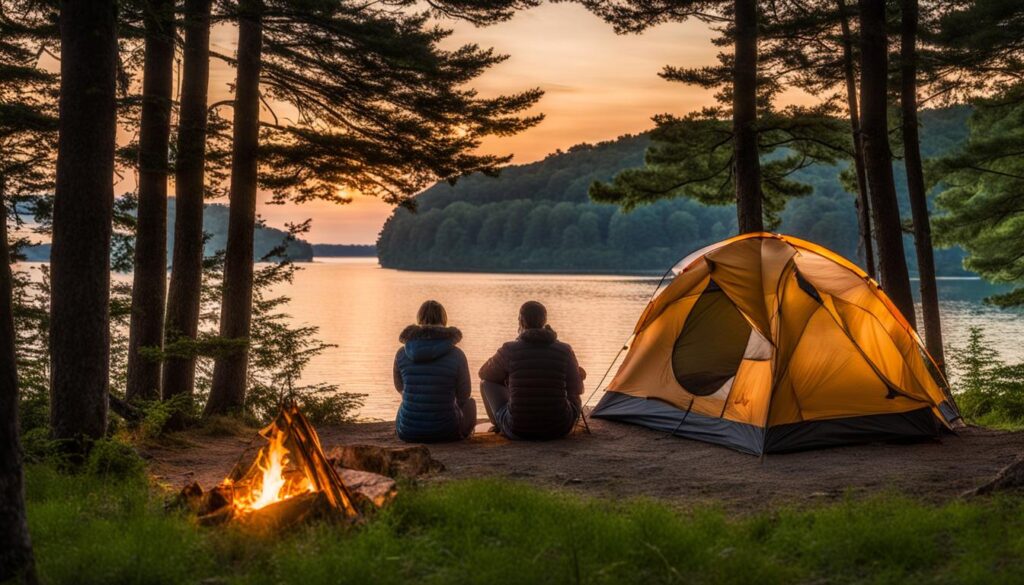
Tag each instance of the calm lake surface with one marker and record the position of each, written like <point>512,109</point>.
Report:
<point>362,308</point>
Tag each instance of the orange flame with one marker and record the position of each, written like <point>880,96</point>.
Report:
<point>275,484</point>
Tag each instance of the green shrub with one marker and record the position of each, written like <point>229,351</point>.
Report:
<point>114,458</point>
<point>989,391</point>
<point>37,445</point>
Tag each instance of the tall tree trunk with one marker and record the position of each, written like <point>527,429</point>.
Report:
<point>184,294</point>
<point>150,275</point>
<point>866,246</point>
<point>16,561</point>
<point>227,393</point>
<point>885,211</point>
<point>746,161</point>
<point>82,214</point>
<point>915,182</point>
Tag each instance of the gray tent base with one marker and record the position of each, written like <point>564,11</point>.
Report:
<point>654,414</point>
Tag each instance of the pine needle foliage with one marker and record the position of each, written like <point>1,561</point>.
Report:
<point>692,155</point>
<point>380,108</point>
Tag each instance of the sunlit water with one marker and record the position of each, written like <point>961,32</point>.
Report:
<point>361,308</point>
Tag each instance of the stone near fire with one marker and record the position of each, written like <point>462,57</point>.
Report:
<point>411,461</point>
<point>369,489</point>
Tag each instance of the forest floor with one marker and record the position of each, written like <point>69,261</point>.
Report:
<point>618,460</point>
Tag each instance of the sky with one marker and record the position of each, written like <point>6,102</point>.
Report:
<point>598,85</point>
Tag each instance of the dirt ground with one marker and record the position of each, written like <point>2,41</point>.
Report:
<point>620,460</point>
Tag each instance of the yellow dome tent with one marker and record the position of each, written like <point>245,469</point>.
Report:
<point>768,343</point>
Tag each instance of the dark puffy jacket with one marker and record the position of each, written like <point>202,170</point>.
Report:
<point>544,381</point>
<point>433,377</point>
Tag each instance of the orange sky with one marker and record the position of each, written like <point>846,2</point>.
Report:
<point>597,86</point>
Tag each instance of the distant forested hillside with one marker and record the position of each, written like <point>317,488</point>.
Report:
<point>215,224</point>
<point>538,217</point>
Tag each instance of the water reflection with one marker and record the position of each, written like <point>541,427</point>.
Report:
<point>362,308</point>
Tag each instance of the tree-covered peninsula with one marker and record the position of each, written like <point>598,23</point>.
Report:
<point>539,217</point>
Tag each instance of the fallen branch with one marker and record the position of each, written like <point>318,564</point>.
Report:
<point>1010,478</point>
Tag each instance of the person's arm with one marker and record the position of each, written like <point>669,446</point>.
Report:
<point>574,377</point>
<point>397,373</point>
<point>463,385</point>
<point>495,369</point>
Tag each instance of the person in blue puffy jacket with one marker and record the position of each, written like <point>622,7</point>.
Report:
<point>432,376</point>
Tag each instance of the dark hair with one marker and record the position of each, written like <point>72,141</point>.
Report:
<point>432,313</point>
<point>533,315</point>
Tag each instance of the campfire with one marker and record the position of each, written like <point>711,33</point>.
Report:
<point>288,480</point>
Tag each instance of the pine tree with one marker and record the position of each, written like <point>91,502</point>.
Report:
<point>703,156</point>
<point>983,193</point>
<point>813,45</point>
<point>382,111</point>
<point>16,559</point>
<point>867,243</point>
<point>185,289</point>
<point>746,154</point>
<point>888,228</point>
<point>227,393</point>
<point>909,17</point>
<point>27,145</point>
<point>976,48</point>
<point>82,215</point>
<point>150,265</point>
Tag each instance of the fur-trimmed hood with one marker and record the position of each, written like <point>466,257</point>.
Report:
<point>545,335</point>
<point>430,332</point>
<point>426,344</point>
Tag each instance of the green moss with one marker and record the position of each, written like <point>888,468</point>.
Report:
<point>90,529</point>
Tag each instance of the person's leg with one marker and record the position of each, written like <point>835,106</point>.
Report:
<point>468,417</point>
<point>495,399</point>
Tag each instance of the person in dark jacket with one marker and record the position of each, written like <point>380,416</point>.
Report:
<point>532,386</point>
<point>432,376</point>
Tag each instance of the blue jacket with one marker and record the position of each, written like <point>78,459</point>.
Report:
<point>433,377</point>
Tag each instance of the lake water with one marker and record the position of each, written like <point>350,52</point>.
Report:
<point>362,308</point>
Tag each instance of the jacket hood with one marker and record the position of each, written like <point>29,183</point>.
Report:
<point>544,335</point>
<point>430,332</point>
<point>425,344</point>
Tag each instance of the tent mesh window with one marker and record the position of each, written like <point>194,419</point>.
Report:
<point>710,347</point>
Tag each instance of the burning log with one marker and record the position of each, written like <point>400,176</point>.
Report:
<point>293,511</point>
<point>288,481</point>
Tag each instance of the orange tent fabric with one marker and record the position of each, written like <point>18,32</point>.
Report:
<point>768,343</point>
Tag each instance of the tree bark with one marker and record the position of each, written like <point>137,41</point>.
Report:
<point>915,183</point>
<point>888,229</point>
<point>184,294</point>
<point>82,214</point>
<point>227,393</point>
<point>16,560</point>
<point>866,246</point>
<point>746,159</point>
<point>150,275</point>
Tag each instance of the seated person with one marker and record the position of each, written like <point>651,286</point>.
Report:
<point>531,388</point>
<point>432,376</point>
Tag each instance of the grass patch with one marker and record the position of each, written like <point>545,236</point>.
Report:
<point>90,529</point>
